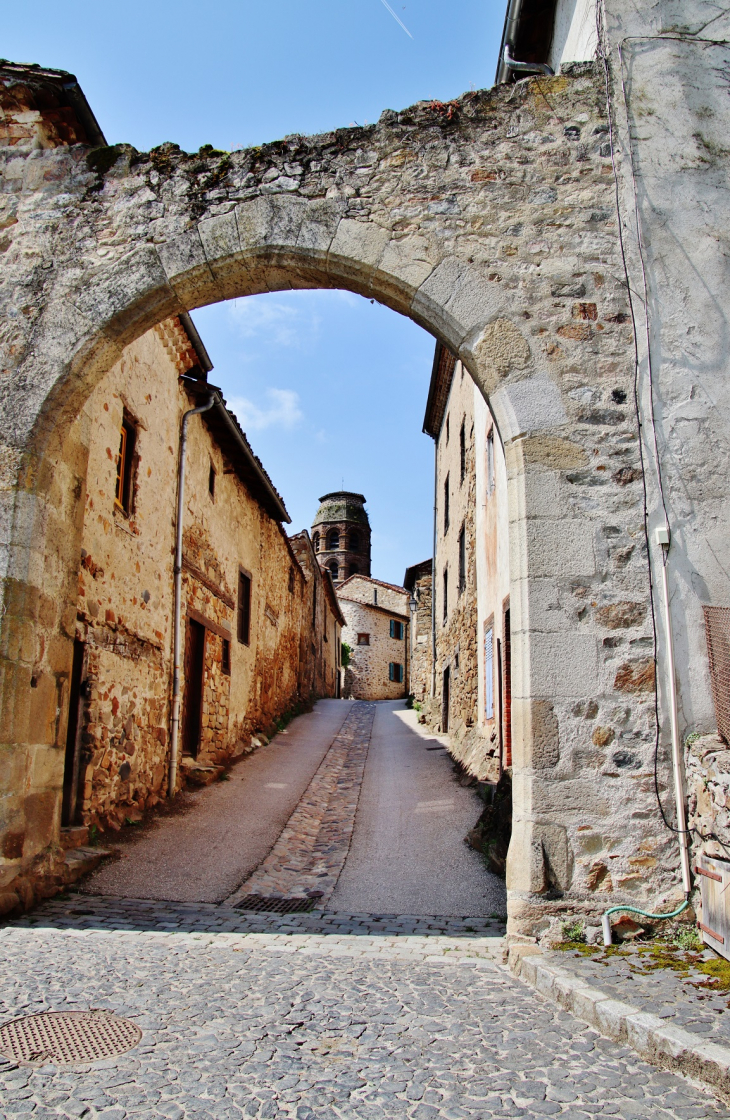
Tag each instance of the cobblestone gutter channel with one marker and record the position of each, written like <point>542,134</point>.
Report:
<point>310,853</point>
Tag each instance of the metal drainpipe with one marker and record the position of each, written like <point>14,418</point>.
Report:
<point>507,65</point>
<point>433,570</point>
<point>175,722</point>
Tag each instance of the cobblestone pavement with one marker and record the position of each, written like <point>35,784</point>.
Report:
<point>636,975</point>
<point>234,1025</point>
<point>311,851</point>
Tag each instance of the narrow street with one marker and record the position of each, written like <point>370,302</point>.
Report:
<point>386,997</point>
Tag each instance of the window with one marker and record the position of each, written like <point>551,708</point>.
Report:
<point>462,449</point>
<point>446,594</point>
<point>447,430</point>
<point>211,481</point>
<point>244,608</point>
<point>355,542</point>
<point>489,671</point>
<point>375,596</point>
<point>226,658</point>
<point>396,629</point>
<point>314,602</point>
<point>334,569</point>
<point>363,639</point>
<point>354,569</point>
<point>395,672</point>
<point>490,461</point>
<point>315,542</point>
<point>446,504</point>
<point>333,539</point>
<point>462,559</point>
<point>125,464</point>
<point>291,581</point>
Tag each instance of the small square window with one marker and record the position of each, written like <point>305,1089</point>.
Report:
<point>363,639</point>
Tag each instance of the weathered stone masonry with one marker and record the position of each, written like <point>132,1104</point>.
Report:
<point>491,222</point>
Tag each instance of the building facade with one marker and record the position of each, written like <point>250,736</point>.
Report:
<point>470,689</point>
<point>253,643</point>
<point>377,631</point>
<point>341,535</point>
<point>417,582</point>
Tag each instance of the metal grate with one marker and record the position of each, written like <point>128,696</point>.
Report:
<point>279,905</point>
<point>717,628</point>
<point>67,1037</point>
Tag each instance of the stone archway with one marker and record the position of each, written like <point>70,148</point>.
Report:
<point>473,220</point>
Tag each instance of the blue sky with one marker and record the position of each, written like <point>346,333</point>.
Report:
<point>327,385</point>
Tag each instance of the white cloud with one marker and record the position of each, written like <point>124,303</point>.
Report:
<point>283,411</point>
<point>276,322</point>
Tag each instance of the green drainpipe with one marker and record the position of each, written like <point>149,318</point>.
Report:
<point>606,919</point>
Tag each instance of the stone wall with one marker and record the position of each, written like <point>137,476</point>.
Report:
<point>321,625</point>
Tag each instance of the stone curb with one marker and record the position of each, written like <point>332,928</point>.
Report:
<point>654,1040</point>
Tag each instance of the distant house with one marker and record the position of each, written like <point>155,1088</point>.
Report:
<point>377,632</point>
<point>417,582</point>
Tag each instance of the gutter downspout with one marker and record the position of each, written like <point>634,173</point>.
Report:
<point>175,722</point>
<point>433,570</point>
<point>507,65</point>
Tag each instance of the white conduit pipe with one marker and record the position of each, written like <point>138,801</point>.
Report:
<point>175,721</point>
<point>662,538</point>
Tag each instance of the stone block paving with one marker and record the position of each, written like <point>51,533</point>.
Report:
<point>232,1029</point>
<point>682,999</point>
<point>310,853</point>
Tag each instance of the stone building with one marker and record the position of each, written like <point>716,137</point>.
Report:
<point>253,641</point>
<point>559,233</point>
<point>377,632</point>
<point>417,581</point>
<point>321,642</point>
<point>341,535</point>
<point>470,690</point>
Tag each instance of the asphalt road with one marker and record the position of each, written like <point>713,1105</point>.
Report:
<point>408,854</point>
<point>203,854</point>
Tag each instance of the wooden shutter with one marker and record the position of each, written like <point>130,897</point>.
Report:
<point>489,673</point>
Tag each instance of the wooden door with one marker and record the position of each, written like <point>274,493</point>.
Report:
<point>445,700</point>
<point>507,701</point>
<point>72,761</point>
<point>194,669</point>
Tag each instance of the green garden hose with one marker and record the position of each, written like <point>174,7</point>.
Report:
<point>606,920</point>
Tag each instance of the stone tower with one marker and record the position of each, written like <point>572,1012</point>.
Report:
<point>341,535</point>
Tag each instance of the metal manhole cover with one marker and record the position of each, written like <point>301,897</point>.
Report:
<point>68,1037</point>
<point>279,905</point>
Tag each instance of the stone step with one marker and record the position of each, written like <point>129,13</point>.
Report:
<point>73,836</point>
<point>79,861</point>
<point>196,774</point>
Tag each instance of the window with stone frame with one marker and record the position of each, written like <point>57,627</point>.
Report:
<point>462,450</point>
<point>396,629</point>
<point>333,539</point>
<point>462,559</point>
<point>315,542</point>
<point>490,461</point>
<point>354,542</point>
<point>446,595</point>
<point>334,569</point>
<point>226,657</point>
<point>446,505</point>
<point>363,639</point>
<point>243,618</point>
<point>124,491</point>
<point>395,672</point>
